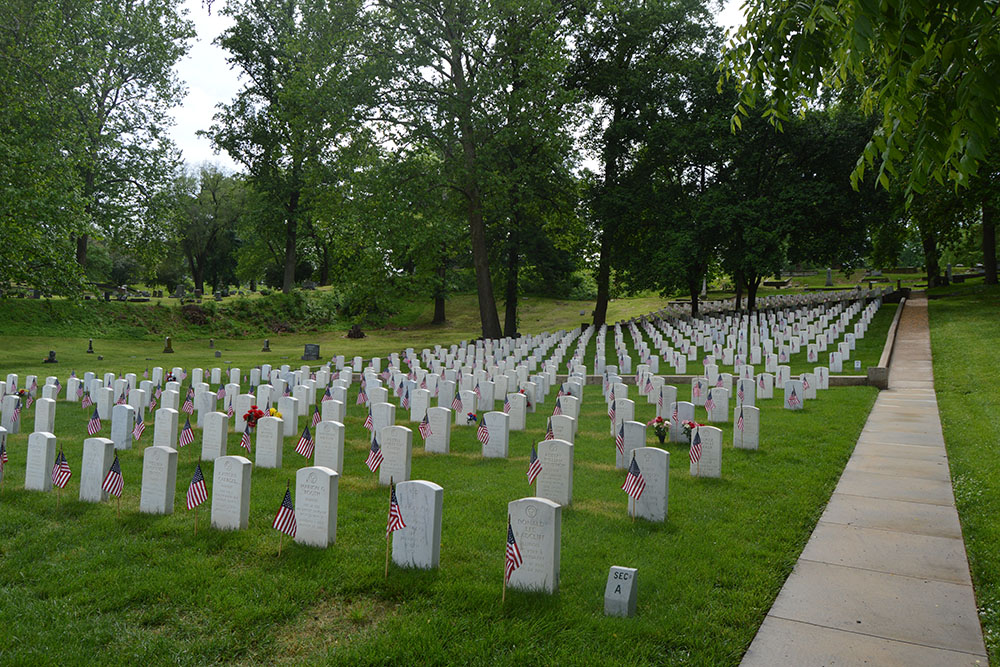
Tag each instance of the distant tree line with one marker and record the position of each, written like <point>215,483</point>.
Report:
<point>397,148</point>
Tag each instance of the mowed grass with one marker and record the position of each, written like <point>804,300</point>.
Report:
<point>76,582</point>
<point>965,341</point>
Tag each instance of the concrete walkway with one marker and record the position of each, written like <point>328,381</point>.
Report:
<point>884,578</point>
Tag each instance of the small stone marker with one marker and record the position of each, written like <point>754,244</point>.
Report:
<point>159,480</point>
<point>41,455</point>
<point>231,493</point>
<point>316,489</point>
<point>98,455</point>
<point>419,543</point>
<point>620,593</point>
<point>537,528</point>
<point>168,346</point>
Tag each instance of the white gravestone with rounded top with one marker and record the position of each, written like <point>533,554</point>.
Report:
<point>418,545</point>
<point>397,453</point>
<point>214,435</point>
<point>159,480</point>
<point>439,441</point>
<point>122,423</point>
<point>710,462</point>
<point>537,527</point>
<point>654,465</point>
<point>269,442</point>
<point>316,489</point>
<point>45,415</point>
<point>41,456</point>
<point>498,425</point>
<point>330,446</point>
<point>98,455</point>
<point>165,428</point>
<point>555,481</point>
<point>749,436</point>
<point>231,493</point>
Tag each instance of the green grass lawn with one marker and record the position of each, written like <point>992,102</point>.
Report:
<point>965,340</point>
<point>76,582</point>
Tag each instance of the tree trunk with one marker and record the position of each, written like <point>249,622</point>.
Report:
<point>510,292</point>
<point>752,286</point>
<point>81,250</point>
<point>693,289</point>
<point>989,242</point>
<point>603,279</point>
<point>439,293</point>
<point>929,244</point>
<point>291,229</point>
<point>738,281</point>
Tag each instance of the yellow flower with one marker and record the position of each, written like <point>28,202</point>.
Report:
<point>272,411</point>
<point>277,414</point>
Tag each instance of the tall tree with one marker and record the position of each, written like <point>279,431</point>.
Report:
<point>927,69</point>
<point>631,56</point>
<point>123,53</point>
<point>464,70</point>
<point>307,75</point>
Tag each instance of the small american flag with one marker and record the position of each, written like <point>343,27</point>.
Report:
<point>362,397</point>
<point>709,403</point>
<point>3,452</point>
<point>16,416</point>
<point>549,433</point>
<point>456,403</point>
<point>395,521</point>
<point>674,416</point>
<point>188,406</point>
<point>534,466</point>
<point>60,471</point>
<point>230,410</point>
<point>558,409</point>
<point>152,404</point>
<point>405,402</point>
<point>79,391</point>
<point>306,444</point>
<point>28,402</point>
<point>634,483</point>
<point>761,382</point>
<point>620,439</point>
<point>696,447</point>
<point>113,481</point>
<point>649,385</point>
<point>245,439</point>
<point>86,401</point>
<point>506,406</point>
<point>659,400</point>
<point>425,427</point>
<point>805,382</point>
<point>423,383</point>
<point>374,459</point>
<point>284,520</point>
<point>94,425</point>
<point>158,392</point>
<point>696,389</point>
<point>327,396</point>
<point>483,433</point>
<point>369,422</point>
<point>196,493</point>
<point>187,434</point>
<point>317,417</point>
<point>739,421</point>
<point>718,381</point>
<point>513,558</point>
<point>740,394</point>
<point>478,393</point>
<point>793,399</point>
<point>121,399</point>
<point>139,427</point>
<point>145,373</point>
<point>611,405</point>
<point>221,394</point>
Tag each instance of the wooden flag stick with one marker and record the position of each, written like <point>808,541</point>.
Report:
<point>387,536</point>
<point>195,520</point>
<point>118,508</point>
<point>281,540</point>
<point>58,496</point>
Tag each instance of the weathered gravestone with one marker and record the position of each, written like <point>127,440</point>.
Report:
<point>214,435</point>
<point>41,455</point>
<point>330,446</point>
<point>746,434</point>
<point>709,440</point>
<point>654,465</point>
<point>397,454</point>
<point>316,490</point>
<point>555,481</point>
<point>269,442</point>
<point>537,527</point>
<point>159,480</point>
<point>498,426</point>
<point>98,455</point>
<point>439,441</point>
<point>419,543</point>
<point>231,493</point>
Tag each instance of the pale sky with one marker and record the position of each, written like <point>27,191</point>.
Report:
<point>209,81</point>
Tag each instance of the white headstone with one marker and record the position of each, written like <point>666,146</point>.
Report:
<point>231,493</point>
<point>165,428</point>
<point>498,425</point>
<point>537,527</point>
<point>794,395</point>
<point>685,412</point>
<point>330,446</point>
<point>720,404</point>
<point>397,453</point>
<point>555,481</point>
<point>122,422</point>
<point>159,480</point>
<point>710,439</point>
<point>517,411</point>
<point>563,428</point>
<point>654,465</point>
<point>289,408</point>
<point>45,415</point>
<point>269,442</point>
<point>98,455</point>
<point>316,489</point>
<point>749,436</point>
<point>419,543</point>
<point>440,421</point>
<point>634,438</point>
<point>214,435</point>
<point>41,457</point>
